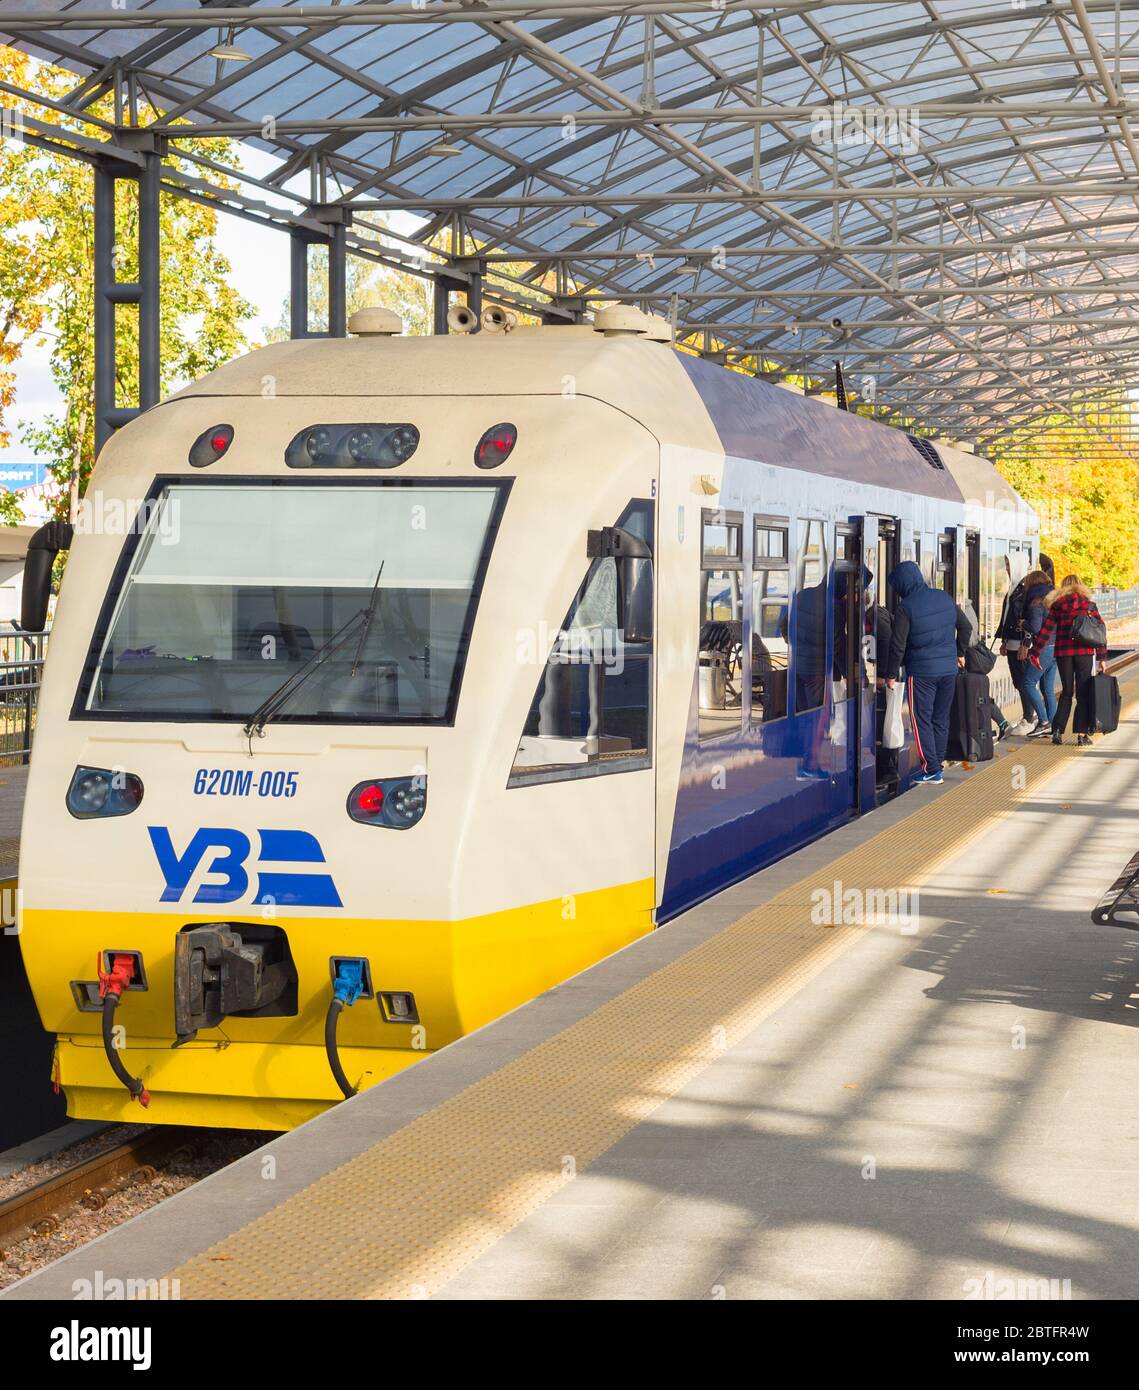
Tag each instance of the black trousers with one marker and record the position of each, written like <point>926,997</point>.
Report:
<point>1075,674</point>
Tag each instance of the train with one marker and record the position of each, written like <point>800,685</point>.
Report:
<point>394,680</point>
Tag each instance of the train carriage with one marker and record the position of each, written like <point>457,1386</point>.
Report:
<point>394,680</point>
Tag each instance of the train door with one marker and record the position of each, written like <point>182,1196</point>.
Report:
<point>873,592</point>
<point>946,569</point>
<point>973,576</point>
<point>846,666</point>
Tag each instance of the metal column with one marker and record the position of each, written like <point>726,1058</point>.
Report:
<point>338,282</point>
<point>442,290</point>
<point>110,292</point>
<point>298,285</point>
<point>149,301</point>
<point>104,304</point>
<point>474,295</point>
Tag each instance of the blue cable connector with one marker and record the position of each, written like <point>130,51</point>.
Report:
<point>347,987</point>
<point>349,982</point>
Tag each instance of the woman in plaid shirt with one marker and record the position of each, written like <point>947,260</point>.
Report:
<point>1074,659</point>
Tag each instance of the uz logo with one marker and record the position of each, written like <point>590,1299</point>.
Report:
<point>223,855</point>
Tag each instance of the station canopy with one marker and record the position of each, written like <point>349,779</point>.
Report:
<point>942,196</point>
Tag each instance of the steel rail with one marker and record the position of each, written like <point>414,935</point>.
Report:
<point>38,1210</point>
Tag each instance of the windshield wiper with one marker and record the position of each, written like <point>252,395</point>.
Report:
<point>277,699</point>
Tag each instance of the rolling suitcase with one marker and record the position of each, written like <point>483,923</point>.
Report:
<point>1103,704</point>
<point>970,728</point>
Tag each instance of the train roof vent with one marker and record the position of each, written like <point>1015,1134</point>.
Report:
<point>927,451</point>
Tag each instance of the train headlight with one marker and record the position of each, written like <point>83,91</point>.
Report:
<point>352,446</point>
<point>100,791</point>
<point>395,802</point>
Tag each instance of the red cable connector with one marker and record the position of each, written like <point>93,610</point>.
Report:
<point>111,985</point>
<point>115,980</point>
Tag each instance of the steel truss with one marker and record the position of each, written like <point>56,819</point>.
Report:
<point>973,245</point>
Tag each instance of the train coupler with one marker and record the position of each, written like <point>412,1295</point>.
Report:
<point>226,968</point>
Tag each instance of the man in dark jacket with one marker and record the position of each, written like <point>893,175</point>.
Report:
<point>927,628</point>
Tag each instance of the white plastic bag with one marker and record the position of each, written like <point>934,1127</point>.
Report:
<point>837,730</point>
<point>893,728</point>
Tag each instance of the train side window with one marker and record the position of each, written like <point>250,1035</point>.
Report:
<point>998,574</point>
<point>770,596</point>
<point>719,674</point>
<point>809,617</point>
<point>846,628</point>
<point>592,711</point>
<point>929,560</point>
<point>888,557</point>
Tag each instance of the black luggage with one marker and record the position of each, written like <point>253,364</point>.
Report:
<point>1103,704</point>
<point>970,727</point>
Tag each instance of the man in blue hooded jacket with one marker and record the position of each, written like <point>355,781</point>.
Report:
<point>927,638</point>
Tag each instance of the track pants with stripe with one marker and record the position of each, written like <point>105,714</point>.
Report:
<point>931,700</point>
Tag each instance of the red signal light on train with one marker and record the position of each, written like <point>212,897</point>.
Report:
<point>495,446</point>
<point>395,802</point>
<point>210,445</point>
<point>368,799</point>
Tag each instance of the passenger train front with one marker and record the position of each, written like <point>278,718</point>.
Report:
<point>394,680</point>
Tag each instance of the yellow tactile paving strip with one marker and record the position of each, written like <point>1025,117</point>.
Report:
<point>404,1216</point>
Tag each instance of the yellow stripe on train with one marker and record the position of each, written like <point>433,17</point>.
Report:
<point>463,974</point>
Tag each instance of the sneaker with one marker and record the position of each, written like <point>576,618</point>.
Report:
<point>929,779</point>
<point>1040,731</point>
<point>1057,739</point>
<point>1023,728</point>
<point>1084,741</point>
<point>1003,730</point>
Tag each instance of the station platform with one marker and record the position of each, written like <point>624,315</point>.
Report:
<point>13,781</point>
<point>928,1098</point>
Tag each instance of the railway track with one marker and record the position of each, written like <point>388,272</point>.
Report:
<point>1113,665</point>
<point>40,1210</point>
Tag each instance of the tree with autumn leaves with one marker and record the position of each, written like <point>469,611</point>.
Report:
<point>47,285</point>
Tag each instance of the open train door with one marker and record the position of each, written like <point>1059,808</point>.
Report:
<point>870,593</point>
<point>847,669</point>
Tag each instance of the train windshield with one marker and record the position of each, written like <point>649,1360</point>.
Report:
<point>232,587</point>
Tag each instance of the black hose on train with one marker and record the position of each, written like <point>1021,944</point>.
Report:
<point>331,1018</point>
<point>133,1084</point>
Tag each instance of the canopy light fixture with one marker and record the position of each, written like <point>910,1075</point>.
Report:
<point>228,52</point>
<point>443,149</point>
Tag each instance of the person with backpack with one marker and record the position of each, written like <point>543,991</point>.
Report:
<point>927,628</point>
<point>1073,622</point>
<point>1040,680</point>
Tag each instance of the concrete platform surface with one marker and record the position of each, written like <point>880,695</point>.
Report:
<point>931,1102</point>
<point>13,782</point>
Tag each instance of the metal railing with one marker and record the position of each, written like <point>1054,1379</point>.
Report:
<point>21,671</point>
<point>1115,605</point>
